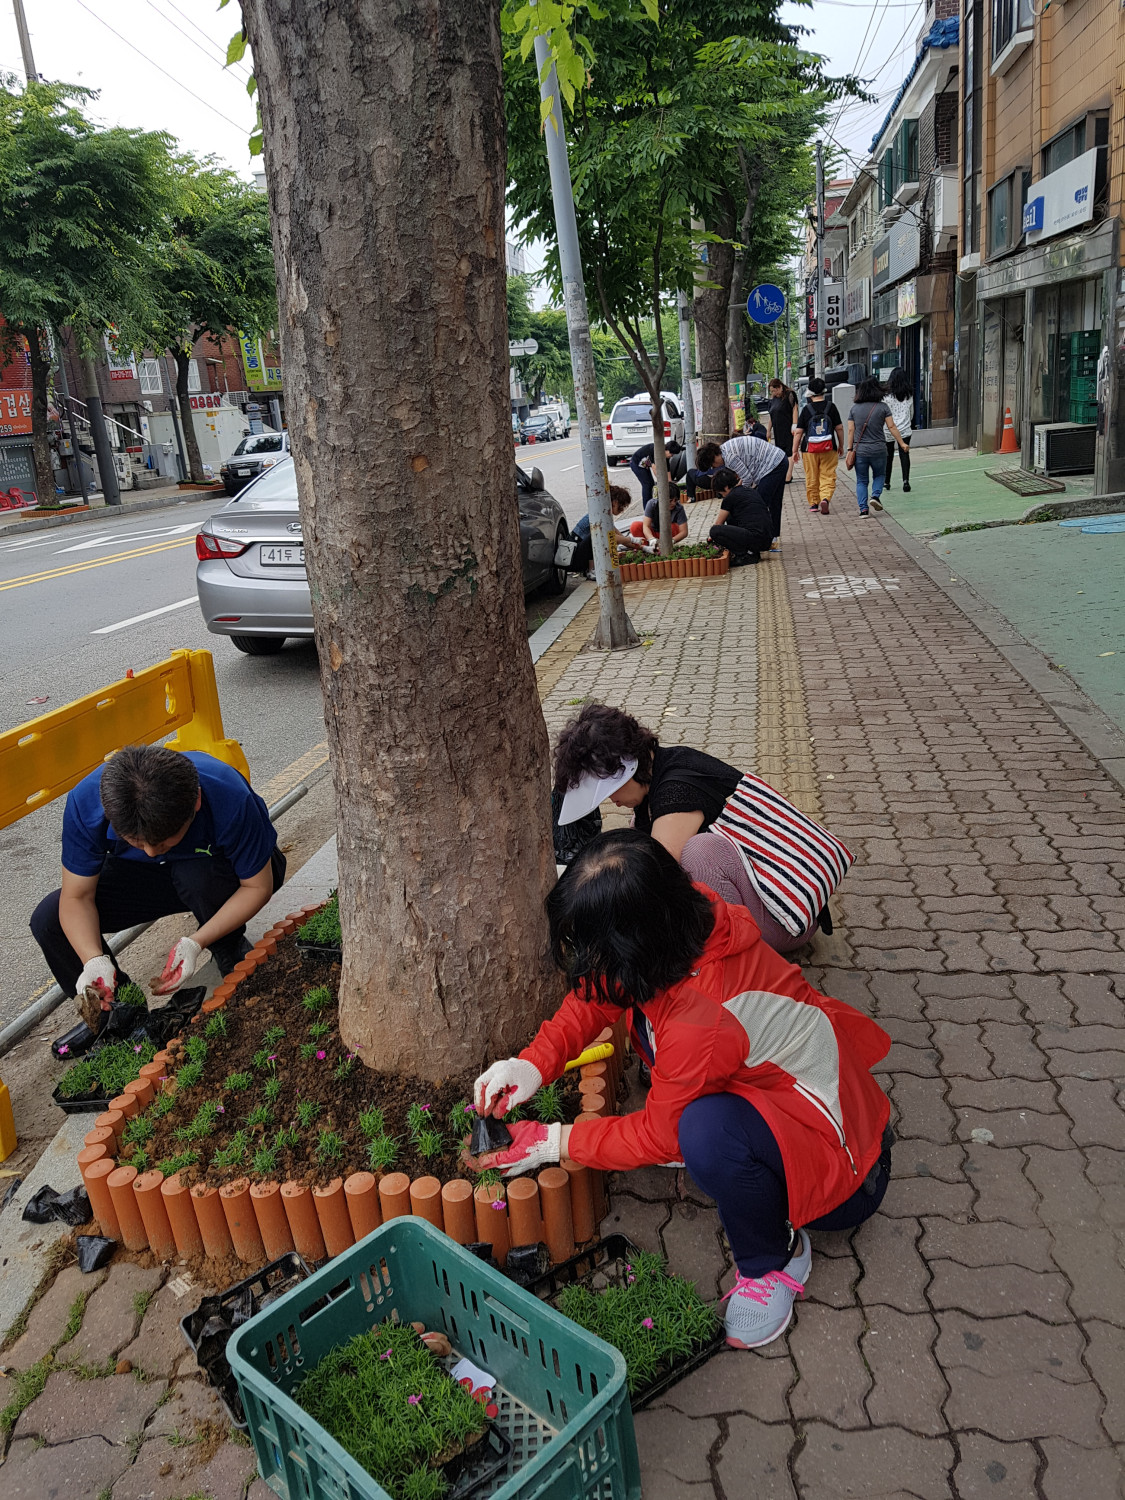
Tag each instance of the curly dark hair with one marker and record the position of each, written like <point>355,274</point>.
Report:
<point>600,740</point>
<point>626,921</point>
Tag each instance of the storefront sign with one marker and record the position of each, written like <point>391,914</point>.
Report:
<point>1081,255</point>
<point>121,366</point>
<point>1062,200</point>
<point>896,255</point>
<point>15,412</point>
<point>833,306</point>
<point>908,300</point>
<point>810,315</point>
<point>857,302</point>
<point>260,374</point>
<point>208,402</point>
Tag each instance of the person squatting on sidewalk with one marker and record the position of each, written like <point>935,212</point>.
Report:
<point>151,833</point>
<point>744,524</point>
<point>643,462</point>
<point>583,560</point>
<point>729,829</point>
<point>710,459</point>
<point>819,438</point>
<point>761,466</point>
<point>761,1087</point>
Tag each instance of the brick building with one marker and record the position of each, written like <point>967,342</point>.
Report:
<point>1042,186</point>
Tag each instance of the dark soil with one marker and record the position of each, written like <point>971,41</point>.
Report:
<point>271,996</point>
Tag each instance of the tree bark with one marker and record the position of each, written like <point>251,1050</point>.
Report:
<point>187,421</point>
<point>40,380</point>
<point>736,325</point>
<point>385,156</point>
<point>711,327</point>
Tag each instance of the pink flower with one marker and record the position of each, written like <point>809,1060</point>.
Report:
<point>646,1322</point>
<point>222,1109</point>
<point>426,1108</point>
<point>136,1049</point>
<point>272,1057</point>
<point>320,1056</point>
<point>63,1051</point>
<point>498,1203</point>
<point>470,1109</point>
<point>414,1400</point>
<point>385,1355</point>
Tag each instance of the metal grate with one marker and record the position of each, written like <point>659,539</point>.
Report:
<point>1023,482</point>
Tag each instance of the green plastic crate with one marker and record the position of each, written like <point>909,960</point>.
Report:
<point>561,1392</point>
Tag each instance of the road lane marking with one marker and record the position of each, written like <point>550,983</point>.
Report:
<point>293,775</point>
<point>150,614</point>
<point>569,467</point>
<point>100,562</point>
<point>108,540</point>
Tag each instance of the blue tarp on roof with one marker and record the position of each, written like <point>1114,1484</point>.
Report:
<point>941,35</point>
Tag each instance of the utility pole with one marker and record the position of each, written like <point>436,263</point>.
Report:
<point>25,41</point>
<point>683,309</point>
<point>819,367</point>
<point>64,389</point>
<point>788,377</point>
<point>111,492</point>
<point>614,626</point>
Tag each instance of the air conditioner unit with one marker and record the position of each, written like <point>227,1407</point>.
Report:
<point>892,212</point>
<point>1064,448</point>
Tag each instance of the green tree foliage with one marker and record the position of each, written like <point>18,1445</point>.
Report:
<point>78,207</point>
<point>212,271</point>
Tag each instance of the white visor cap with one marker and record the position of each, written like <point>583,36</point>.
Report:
<point>592,791</point>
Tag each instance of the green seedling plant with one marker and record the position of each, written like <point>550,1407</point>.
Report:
<point>189,1075</point>
<point>344,1066</point>
<point>287,1139</point>
<point>423,1417</point>
<point>131,994</point>
<point>195,1049</point>
<point>418,1119</point>
<point>264,1162</point>
<point>323,927</point>
<point>462,1118</point>
<point>138,1130</point>
<point>429,1143</point>
<point>372,1123</point>
<point>110,1068</point>
<point>139,1159</point>
<point>259,1118</point>
<point>234,1153</point>
<point>316,999</point>
<point>173,1164</point>
<point>163,1106</point>
<point>382,1153</point>
<point>216,1026</point>
<point>490,1177</point>
<point>546,1105</point>
<point>307,1111</point>
<point>329,1147</point>
<point>201,1124</point>
<point>308,1051</point>
<point>273,1037</point>
<point>655,1319</point>
<point>238,1081</point>
<point>319,1030</point>
<point>272,1090</point>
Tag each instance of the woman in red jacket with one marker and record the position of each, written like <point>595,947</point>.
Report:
<point>761,1087</point>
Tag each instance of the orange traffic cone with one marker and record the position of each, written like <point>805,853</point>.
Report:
<point>1009,443</point>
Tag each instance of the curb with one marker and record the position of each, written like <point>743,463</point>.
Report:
<point>1066,700</point>
<point>553,626</point>
<point>1046,510</point>
<point>104,513</point>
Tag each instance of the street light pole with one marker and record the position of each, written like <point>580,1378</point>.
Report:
<point>614,626</point>
<point>819,368</point>
<point>25,41</point>
<point>683,308</point>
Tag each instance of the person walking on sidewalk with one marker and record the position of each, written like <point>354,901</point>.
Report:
<point>779,420</point>
<point>761,1087</point>
<point>899,401</point>
<point>761,466</point>
<point>819,439</point>
<point>728,828</point>
<point>867,447</point>
<point>744,523</point>
<point>152,833</point>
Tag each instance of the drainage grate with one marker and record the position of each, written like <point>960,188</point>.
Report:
<point>1023,482</point>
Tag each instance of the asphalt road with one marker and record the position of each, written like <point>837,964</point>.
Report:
<point>81,604</point>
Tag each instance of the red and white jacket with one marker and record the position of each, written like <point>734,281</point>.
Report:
<point>744,1022</point>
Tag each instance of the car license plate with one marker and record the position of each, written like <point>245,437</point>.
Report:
<point>243,473</point>
<point>282,557</point>
<point>638,429</point>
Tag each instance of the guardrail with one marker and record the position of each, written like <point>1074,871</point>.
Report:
<point>47,756</point>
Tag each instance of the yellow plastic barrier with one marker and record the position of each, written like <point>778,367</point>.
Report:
<point>44,758</point>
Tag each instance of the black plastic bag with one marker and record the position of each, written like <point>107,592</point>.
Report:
<point>571,838</point>
<point>527,1263</point>
<point>482,1249</point>
<point>489,1134</point>
<point>94,1250</point>
<point>13,1189</point>
<point>163,1024</point>
<point>71,1207</point>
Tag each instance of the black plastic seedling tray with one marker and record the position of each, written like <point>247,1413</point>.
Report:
<point>320,950</point>
<point>81,1104</point>
<point>608,1258</point>
<point>235,1306</point>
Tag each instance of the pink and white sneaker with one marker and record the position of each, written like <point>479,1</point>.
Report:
<point>760,1307</point>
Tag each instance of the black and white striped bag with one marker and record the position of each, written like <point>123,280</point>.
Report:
<point>793,863</point>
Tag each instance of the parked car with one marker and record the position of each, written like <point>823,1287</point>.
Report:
<point>251,577</point>
<point>630,425</point>
<point>540,428</point>
<point>559,413</point>
<point>257,452</point>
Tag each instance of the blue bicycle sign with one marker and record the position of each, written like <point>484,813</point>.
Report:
<point>766,303</point>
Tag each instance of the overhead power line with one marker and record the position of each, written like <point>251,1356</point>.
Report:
<point>220,62</point>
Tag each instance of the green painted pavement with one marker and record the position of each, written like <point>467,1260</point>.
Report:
<point>1061,590</point>
<point>951,487</point>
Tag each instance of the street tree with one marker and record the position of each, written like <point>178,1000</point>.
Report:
<point>388,225</point>
<point>78,206</point>
<point>212,273</point>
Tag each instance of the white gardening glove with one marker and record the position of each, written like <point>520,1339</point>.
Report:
<point>100,976</point>
<point>533,1146</point>
<point>506,1084</point>
<point>182,962</point>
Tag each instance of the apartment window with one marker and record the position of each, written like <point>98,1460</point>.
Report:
<point>971,132</point>
<point>1009,18</point>
<point>149,370</point>
<point>1090,131</point>
<point>906,153</point>
<point>1005,212</point>
<point>886,179</point>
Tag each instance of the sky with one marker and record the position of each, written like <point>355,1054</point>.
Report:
<point>120,48</point>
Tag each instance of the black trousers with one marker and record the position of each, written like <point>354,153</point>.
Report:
<point>739,540</point>
<point>583,555</point>
<point>904,460</point>
<point>647,478</point>
<point>771,487</point>
<point>130,891</point>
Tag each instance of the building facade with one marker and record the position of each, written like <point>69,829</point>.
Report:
<point>1041,295</point>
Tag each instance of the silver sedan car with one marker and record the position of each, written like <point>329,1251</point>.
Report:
<point>251,576</point>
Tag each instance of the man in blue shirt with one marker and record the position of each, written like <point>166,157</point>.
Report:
<point>152,833</point>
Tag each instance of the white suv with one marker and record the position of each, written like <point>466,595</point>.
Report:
<point>630,425</point>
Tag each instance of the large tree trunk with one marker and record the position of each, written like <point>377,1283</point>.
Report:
<point>187,416</point>
<point>736,323</point>
<point>40,447</point>
<point>385,156</point>
<point>711,328</point>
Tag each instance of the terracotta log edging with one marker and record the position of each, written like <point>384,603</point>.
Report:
<point>676,567</point>
<point>259,1222</point>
